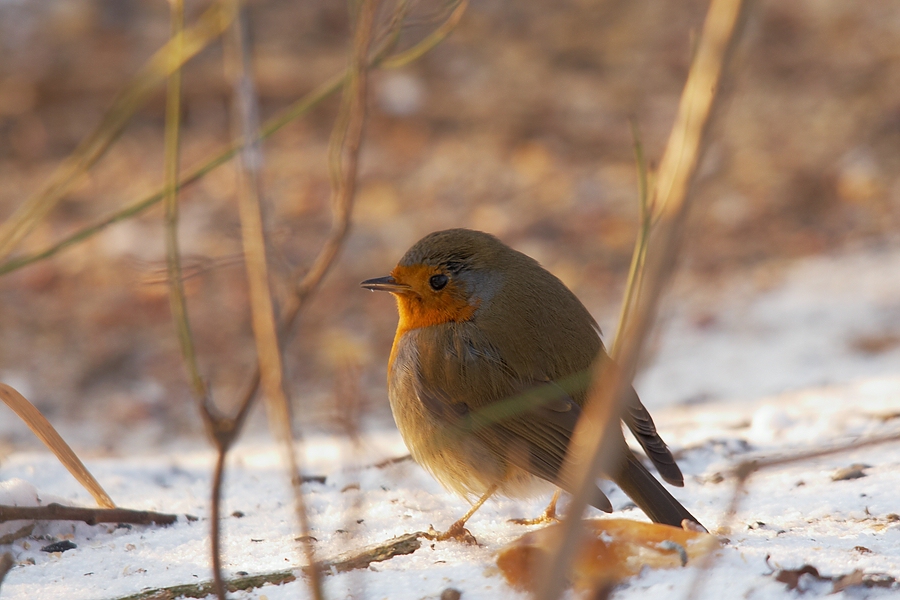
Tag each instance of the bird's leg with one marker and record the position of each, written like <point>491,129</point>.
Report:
<point>549,515</point>
<point>458,530</point>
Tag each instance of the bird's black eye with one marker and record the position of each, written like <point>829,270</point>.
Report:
<point>437,282</point>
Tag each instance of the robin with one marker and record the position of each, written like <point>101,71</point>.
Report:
<point>490,370</point>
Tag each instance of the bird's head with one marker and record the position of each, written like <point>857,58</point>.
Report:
<point>447,276</point>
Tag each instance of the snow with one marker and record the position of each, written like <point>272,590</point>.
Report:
<point>763,333</point>
<point>764,372</point>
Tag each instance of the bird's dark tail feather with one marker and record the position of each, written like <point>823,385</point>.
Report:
<point>649,494</point>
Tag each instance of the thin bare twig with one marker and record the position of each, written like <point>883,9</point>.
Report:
<point>402,59</point>
<point>399,546</point>
<point>91,516</point>
<point>133,96</point>
<point>746,469</point>
<point>173,255</point>
<point>638,257</point>
<point>341,200</point>
<point>379,59</point>
<point>595,429</point>
<point>343,160</point>
<point>215,537</point>
<point>263,319</point>
<point>177,299</point>
<point>191,266</point>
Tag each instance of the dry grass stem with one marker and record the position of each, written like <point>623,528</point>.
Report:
<point>265,327</point>
<point>402,59</point>
<point>721,30</point>
<point>26,217</point>
<point>639,256</point>
<point>379,59</point>
<point>173,255</point>
<point>343,160</point>
<point>342,195</point>
<point>262,306</point>
<point>49,436</point>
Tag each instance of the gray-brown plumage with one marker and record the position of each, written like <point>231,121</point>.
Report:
<point>490,370</point>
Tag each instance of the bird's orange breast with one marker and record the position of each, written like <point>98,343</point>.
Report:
<point>423,307</point>
<point>416,313</point>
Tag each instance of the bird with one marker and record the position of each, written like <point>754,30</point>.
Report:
<point>489,373</point>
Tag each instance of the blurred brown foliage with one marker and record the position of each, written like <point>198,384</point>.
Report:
<point>517,124</point>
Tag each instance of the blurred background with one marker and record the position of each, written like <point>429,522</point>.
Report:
<point>517,125</point>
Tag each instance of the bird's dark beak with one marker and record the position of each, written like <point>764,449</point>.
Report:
<point>385,284</point>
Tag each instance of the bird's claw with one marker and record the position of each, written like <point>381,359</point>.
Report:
<point>547,518</point>
<point>457,532</point>
<point>544,519</point>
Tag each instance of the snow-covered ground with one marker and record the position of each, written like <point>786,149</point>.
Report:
<point>805,362</point>
<point>817,321</point>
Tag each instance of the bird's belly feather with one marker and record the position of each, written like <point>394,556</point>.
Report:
<point>461,463</point>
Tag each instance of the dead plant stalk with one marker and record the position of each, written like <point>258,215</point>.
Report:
<point>191,41</point>
<point>262,306</point>
<point>685,147</point>
<point>380,59</point>
<point>45,432</point>
<point>173,256</point>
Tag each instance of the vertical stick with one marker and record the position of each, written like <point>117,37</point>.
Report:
<point>263,320</point>
<point>170,204</point>
<point>598,424</point>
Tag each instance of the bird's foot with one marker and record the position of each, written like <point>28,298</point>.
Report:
<point>541,520</point>
<point>457,532</point>
<point>547,518</point>
<point>544,519</point>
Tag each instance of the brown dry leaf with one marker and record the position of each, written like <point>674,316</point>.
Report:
<point>854,471</point>
<point>615,550</point>
<point>791,577</point>
<point>856,578</point>
<point>849,580</point>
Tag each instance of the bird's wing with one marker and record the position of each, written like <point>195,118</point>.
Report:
<point>528,422</point>
<point>641,425</point>
<point>639,421</point>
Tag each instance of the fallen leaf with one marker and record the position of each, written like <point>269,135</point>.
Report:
<point>843,582</point>
<point>854,471</point>
<point>791,577</point>
<point>615,549</point>
<point>857,577</point>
